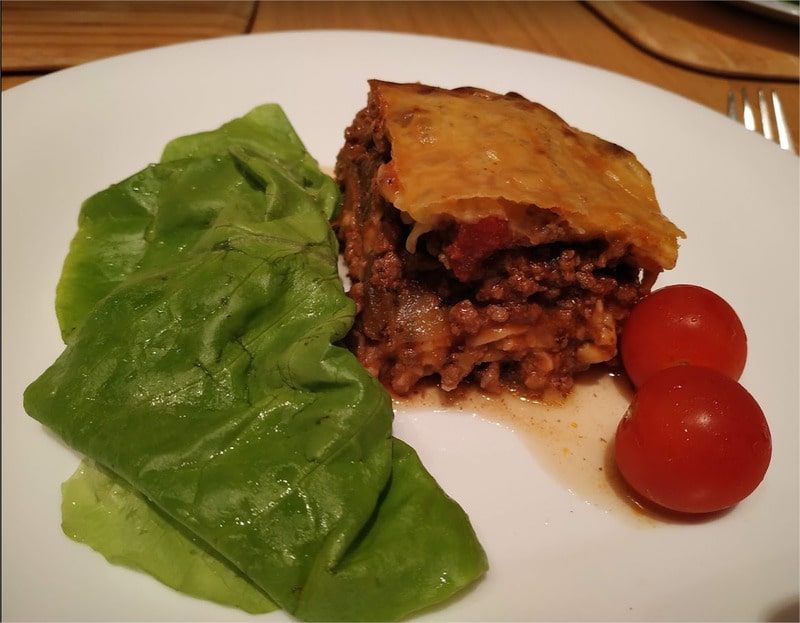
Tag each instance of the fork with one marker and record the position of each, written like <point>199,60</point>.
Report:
<point>749,116</point>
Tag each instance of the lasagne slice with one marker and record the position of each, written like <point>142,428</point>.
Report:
<point>489,242</point>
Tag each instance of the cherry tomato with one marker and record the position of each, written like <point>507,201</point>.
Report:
<point>693,440</point>
<point>682,324</point>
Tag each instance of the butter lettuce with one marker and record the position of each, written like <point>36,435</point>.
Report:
<point>202,313</point>
<point>100,510</point>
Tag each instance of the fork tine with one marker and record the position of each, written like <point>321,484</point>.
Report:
<point>766,118</point>
<point>780,121</point>
<point>747,112</point>
<point>732,105</point>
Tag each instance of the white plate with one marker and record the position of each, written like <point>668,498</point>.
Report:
<point>553,555</point>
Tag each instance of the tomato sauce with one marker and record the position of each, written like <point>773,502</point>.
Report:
<point>571,439</point>
<point>474,242</point>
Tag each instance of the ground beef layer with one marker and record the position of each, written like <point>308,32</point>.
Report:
<point>471,304</point>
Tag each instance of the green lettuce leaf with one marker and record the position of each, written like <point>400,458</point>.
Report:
<point>155,217</point>
<point>202,311</point>
<point>100,510</point>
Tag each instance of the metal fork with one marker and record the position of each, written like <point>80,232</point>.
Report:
<point>766,113</point>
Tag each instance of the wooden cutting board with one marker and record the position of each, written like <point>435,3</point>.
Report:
<point>723,38</point>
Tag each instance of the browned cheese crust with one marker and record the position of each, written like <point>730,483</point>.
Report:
<point>489,242</point>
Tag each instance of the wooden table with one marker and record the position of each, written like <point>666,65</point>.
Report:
<point>700,50</point>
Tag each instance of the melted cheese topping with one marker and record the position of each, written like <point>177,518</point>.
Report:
<point>466,154</point>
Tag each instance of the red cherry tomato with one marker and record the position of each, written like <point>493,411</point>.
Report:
<point>693,440</point>
<point>682,324</point>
